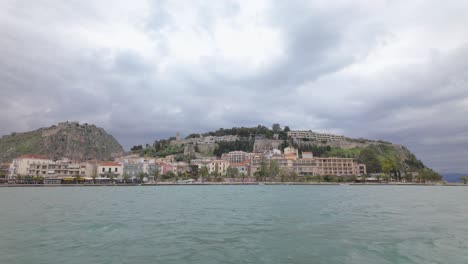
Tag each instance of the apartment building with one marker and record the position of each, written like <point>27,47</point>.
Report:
<point>340,167</point>
<point>314,166</point>
<point>29,164</point>
<point>236,156</point>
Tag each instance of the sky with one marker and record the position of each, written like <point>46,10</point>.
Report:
<point>144,70</point>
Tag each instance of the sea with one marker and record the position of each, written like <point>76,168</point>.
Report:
<point>234,224</point>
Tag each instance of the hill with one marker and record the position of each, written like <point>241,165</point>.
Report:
<point>67,139</point>
<point>379,156</point>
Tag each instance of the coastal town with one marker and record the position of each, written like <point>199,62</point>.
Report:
<point>235,166</point>
<point>266,163</point>
<point>231,156</point>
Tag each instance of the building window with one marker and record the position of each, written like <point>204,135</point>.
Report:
<point>103,170</point>
<point>115,169</point>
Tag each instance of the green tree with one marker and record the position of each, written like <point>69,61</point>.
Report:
<point>170,175</point>
<point>390,167</point>
<point>408,177</point>
<point>276,128</point>
<point>204,173</point>
<point>39,180</point>
<point>242,175</point>
<point>232,172</point>
<point>464,179</point>
<point>94,176</point>
<point>263,171</point>
<point>112,178</point>
<point>141,176</point>
<point>284,175</point>
<point>386,178</point>
<point>369,157</point>
<point>426,174</point>
<point>126,178</point>
<point>274,169</point>
<point>216,176</point>
<point>319,178</point>
<point>2,175</point>
<point>293,176</point>
<point>156,175</point>
<point>257,176</point>
<point>378,177</point>
<point>363,178</point>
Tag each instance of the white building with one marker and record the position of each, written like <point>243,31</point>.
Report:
<point>108,168</point>
<point>314,136</point>
<point>23,165</point>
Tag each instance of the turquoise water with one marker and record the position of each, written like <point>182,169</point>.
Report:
<point>234,224</point>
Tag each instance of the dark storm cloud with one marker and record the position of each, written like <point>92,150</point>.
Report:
<point>150,69</point>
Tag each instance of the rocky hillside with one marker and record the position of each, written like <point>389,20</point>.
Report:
<point>68,139</point>
<point>378,155</point>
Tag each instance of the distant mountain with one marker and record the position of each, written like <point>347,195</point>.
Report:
<point>453,177</point>
<point>67,139</point>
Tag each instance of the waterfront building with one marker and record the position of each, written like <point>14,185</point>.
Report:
<point>22,165</point>
<point>106,169</point>
<point>311,166</point>
<point>65,168</point>
<point>132,169</point>
<point>340,166</point>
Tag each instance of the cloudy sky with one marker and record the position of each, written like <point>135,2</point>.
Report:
<point>393,70</point>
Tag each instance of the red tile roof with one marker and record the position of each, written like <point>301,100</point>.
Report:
<point>32,156</point>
